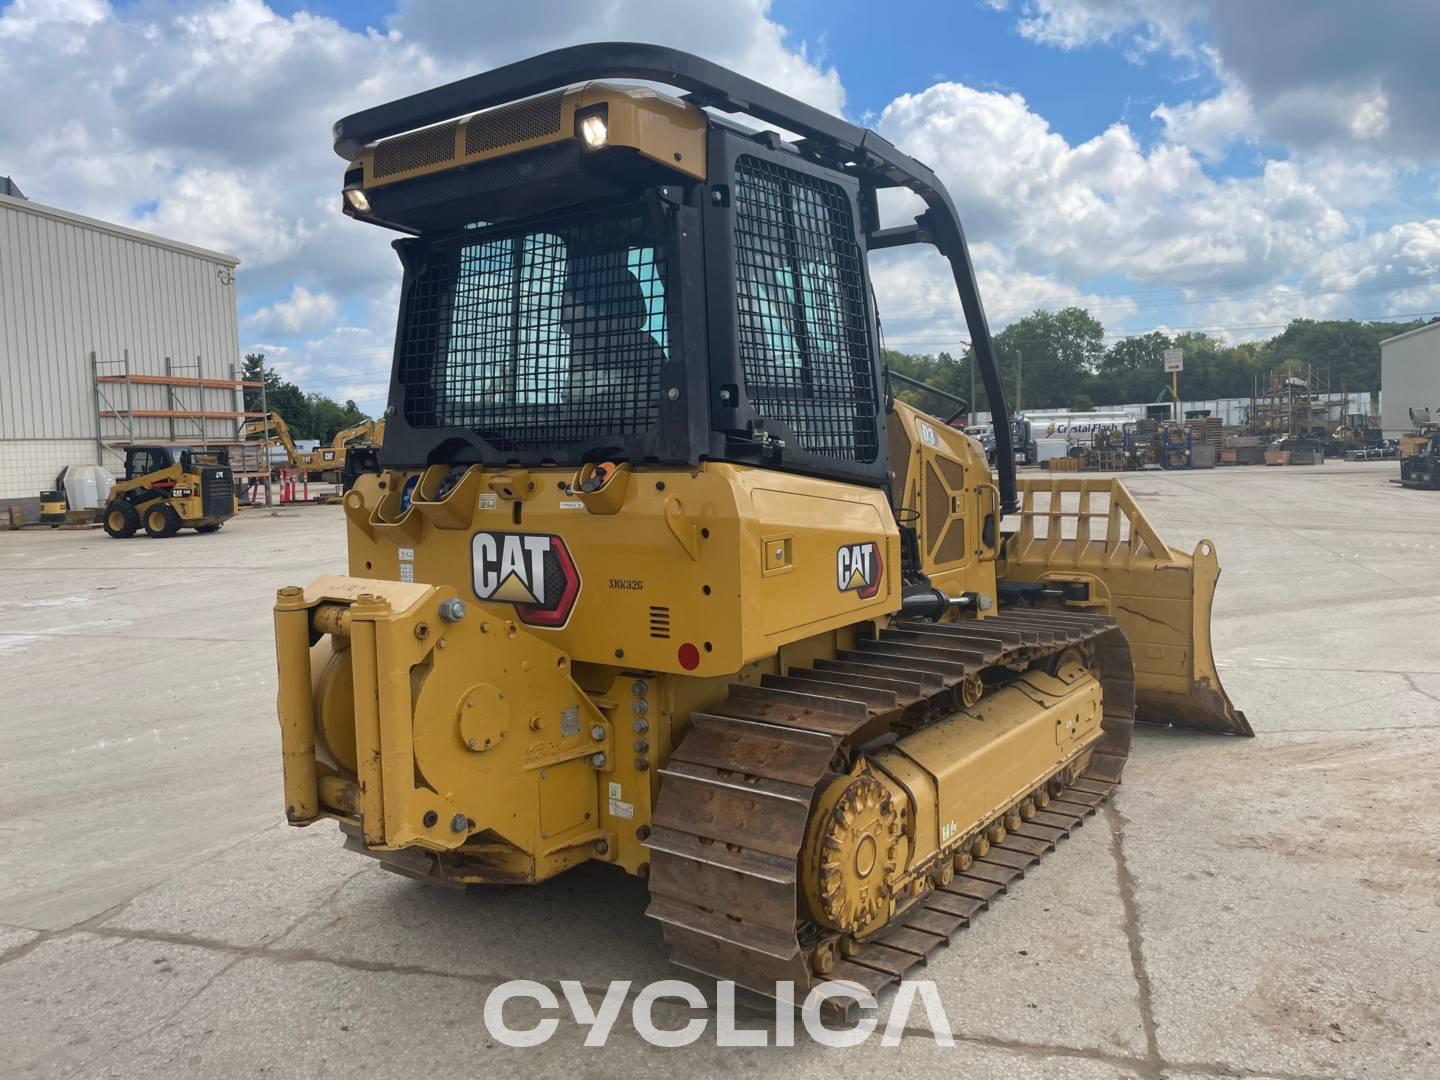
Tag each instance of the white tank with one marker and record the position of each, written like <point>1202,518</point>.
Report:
<point>87,486</point>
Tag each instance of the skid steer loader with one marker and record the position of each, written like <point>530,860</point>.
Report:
<point>167,488</point>
<point>656,573</point>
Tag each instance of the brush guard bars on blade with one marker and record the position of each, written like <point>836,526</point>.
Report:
<point>1090,534</point>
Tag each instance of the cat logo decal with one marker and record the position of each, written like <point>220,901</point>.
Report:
<point>859,569</point>
<point>533,571</point>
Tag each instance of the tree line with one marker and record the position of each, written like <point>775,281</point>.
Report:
<point>1059,359</point>
<point>308,416</point>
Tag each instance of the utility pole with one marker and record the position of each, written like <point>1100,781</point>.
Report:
<point>1019,378</point>
<point>972,386</point>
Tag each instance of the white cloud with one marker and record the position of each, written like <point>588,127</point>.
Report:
<point>1210,126</point>
<point>303,312</point>
<point>920,311</point>
<point>1141,26</point>
<point>1315,72</point>
<point>24,18</point>
<point>738,33</point>
<point>1107,206</point>
<point>221,210</point>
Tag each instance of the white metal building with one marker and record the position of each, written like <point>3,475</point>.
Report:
<point>107,336</point>
<point>1409,377</point>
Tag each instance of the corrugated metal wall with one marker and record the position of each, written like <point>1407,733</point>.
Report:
<point>70,286</point>
<point>1410,376</point>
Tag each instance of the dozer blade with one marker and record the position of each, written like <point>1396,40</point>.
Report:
<point>1090,530</point>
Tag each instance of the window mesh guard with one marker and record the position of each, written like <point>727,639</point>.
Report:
<point>803,333</point>
<point>541,338</point>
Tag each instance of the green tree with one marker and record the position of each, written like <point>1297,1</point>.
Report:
<point>1051,355</point>
<point>941,371</point>
<point>308,416</point>
<point>326,416</point>
<point>1063,361</point>
<point>1349,349</point>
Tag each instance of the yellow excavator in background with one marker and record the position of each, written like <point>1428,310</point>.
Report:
<point>272,430</point>
<point>353,451</point>
<point>658,573</point>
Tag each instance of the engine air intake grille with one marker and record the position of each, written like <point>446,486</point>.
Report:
<point>512,124</point>
<point>659,622</point>
<point>803,329</point>
<point>416,150</point>
<point>217,492</point>
<point>538,336</point>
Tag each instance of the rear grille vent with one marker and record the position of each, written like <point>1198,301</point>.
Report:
<point>511,124</point>
<point>659,622</point>
<point>217,492</point>
<point>417,150</point>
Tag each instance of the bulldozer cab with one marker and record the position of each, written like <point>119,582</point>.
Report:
<point>596,272</point>
<point>600,272</point>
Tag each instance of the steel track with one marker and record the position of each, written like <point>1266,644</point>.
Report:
<point>736,795</point>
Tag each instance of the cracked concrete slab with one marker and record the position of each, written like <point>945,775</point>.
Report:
<point>1049,963</point>
<point>1314,701</point>
<point>588,924</point>
<point>165,728</point>
<point>12,937</point>
<point>223,899</point>
<point>74,999</point>
<point>1287,893</point>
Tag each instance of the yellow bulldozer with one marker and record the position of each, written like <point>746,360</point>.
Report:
<point>657,572</point>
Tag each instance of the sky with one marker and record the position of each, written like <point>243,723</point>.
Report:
<point>1218,165</point>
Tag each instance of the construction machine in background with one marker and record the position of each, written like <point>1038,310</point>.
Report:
<point>353,451</point>
<point>656,574</point>
<point>1420,452</point>
<point>271,430</point>
<point>167,488</point>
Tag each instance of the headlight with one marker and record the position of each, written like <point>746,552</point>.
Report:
<point>357,200</point>
<point>594,132</point>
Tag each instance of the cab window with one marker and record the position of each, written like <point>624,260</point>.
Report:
<point>145,459</point>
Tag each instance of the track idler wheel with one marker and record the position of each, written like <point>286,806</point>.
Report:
<point>854,851</point>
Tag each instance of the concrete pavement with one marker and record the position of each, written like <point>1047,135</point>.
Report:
<point>1266,907</point>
